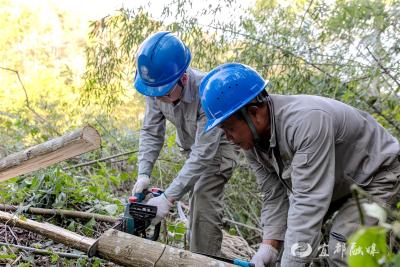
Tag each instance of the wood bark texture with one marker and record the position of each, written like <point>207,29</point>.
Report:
<point>132,251</point>
<point>51,231</point>
<point>116,246</point>
<point>53,151</point>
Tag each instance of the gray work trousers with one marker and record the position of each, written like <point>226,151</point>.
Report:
<point>384,186</point>
<point>206,203</point>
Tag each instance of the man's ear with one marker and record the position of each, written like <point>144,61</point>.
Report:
<point>184,79</point>
<point>256,115</point>
<point>253,112</point>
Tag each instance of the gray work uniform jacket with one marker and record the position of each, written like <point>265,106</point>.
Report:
<point>189,120</point>
<point>325,145</point>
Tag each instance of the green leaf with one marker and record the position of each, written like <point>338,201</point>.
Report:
<point>180,228</point>
<point>72,226</point>
<point>395,262</point>
<point>8,256</point>
<point>54,258</point>
<point>60,200</point>
<point>178,237</point>
<point>232,231</point>
<point>124,176</point>
<point>111,209</point>
<point>367,247</point>
<point>171,228</point>
<point>114,180</point>
<point>88,227</point>
<point>96,263</point>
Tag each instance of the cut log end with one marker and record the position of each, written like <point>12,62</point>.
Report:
<point>91,135</point>
<point>53,151</point>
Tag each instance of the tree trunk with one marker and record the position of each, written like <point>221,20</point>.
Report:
<point>119,247</point>
<point>130,250</point>
<point>51,231</point>
<point>53,151</point>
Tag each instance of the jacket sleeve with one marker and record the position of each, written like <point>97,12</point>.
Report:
<point>151,138</point>
<point>275,201</point>
<point>202,153</point>
<point>313,177</point>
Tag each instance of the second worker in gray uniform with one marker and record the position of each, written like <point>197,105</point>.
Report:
<point>171,89</point>
<point>305,151</point>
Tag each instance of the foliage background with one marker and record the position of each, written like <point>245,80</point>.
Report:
<point>58,73</point>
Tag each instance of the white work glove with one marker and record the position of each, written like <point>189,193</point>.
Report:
<point>142,182</point>
<point>163,206</point>
<point>265,256</point>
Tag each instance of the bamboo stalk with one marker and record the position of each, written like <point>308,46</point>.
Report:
<point>61,212</point>
<point>100,160</point>
<point>45,251</point>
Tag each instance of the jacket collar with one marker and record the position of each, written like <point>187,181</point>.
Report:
<point>189,92</point>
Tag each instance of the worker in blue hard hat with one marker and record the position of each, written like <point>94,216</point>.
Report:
<point>305,151</point>
<point>171,89</point>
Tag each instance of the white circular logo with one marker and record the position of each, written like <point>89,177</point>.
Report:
<point>301,249</point>
<point>144,71</point>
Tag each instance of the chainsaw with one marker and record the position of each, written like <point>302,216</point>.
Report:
<point>137,219</point>
<point>137,215</point>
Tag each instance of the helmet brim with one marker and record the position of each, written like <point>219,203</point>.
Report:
<point>211,124</point>
<point>146,90</point>
<point>215,122</point>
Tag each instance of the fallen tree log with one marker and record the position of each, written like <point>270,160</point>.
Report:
<point>51,231</point>
<point>232,246</point>
<point>131,250</point>
<point>42,155</point>
<point>118,247</point>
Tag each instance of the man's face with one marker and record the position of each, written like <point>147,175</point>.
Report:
<point>173,95</point>
<point>238,132</point>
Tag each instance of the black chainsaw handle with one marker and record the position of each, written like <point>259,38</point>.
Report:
<point>156,233</point>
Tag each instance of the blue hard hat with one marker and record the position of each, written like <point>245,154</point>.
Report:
<point>161,60</point>
<point>227,88</point>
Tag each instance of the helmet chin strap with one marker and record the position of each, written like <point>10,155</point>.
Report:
<point>250,123</point>
<point>252,127</point>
